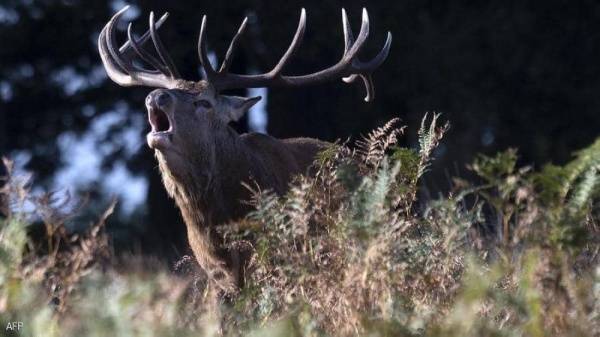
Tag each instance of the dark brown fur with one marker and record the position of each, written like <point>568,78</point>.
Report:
<point>205,164</point>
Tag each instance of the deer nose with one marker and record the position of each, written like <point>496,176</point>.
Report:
<point>158,98</point>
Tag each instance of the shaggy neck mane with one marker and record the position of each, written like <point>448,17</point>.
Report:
<point>209,197</point>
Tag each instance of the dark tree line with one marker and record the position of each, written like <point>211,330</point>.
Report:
<point>505,74</point>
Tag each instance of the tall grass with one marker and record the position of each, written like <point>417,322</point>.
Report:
<point>351,250</point>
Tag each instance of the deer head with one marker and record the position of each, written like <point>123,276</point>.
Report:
<point>203,161</point>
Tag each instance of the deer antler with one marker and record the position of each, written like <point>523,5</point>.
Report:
<point>349,67</point>
<point>121,69</point>
<point>119,61</point>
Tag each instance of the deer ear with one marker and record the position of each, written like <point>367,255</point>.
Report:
<point>236,106</point>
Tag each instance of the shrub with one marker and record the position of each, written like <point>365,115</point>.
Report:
<point>351,250</point>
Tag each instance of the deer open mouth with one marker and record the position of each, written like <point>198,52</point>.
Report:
<point>160,121</point>
<point>162,128</point>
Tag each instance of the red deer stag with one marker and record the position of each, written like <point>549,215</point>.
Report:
<point>202,160</point>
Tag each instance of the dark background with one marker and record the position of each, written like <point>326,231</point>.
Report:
<point>521,74</point>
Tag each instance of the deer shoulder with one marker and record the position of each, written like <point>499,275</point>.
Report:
<point>287,156</point>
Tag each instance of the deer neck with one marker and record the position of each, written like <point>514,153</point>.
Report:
<point>207,190</point>
<point>208,194</point>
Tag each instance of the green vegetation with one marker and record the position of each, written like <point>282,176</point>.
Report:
<point>353,250</point>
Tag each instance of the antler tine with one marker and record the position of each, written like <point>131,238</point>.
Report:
<point>114,66</point>
<point>127,50</point>
<point>162,52</point>
<point>223,80</point>
<point>118,62</point>
<point>232,47</point>
<point>363,34</point>
<point>293,46</point>
<point>348,67</point>
<point>143,54</point>
<point>348,37</point>
<point>369,67</point>
<point>348,43</point>
<point>204,60</point>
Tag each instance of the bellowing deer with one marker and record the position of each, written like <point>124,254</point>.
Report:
<point>202,160</point>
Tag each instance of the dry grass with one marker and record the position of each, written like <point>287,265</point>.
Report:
<point>350,251</point>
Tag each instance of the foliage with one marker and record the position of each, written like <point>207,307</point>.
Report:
<point>494,66</point>
<point>352,250</point>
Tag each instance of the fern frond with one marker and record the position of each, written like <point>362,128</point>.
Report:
<point>371,204</point>
<point>429,138</point>
<point>372,148</point>
<point>585,189</point>
<point>424,137</point>
<point>585,159</point>
<point>583,177</point>
<point>574,184</point>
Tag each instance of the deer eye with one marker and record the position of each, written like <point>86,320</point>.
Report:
<point>203,103</point>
